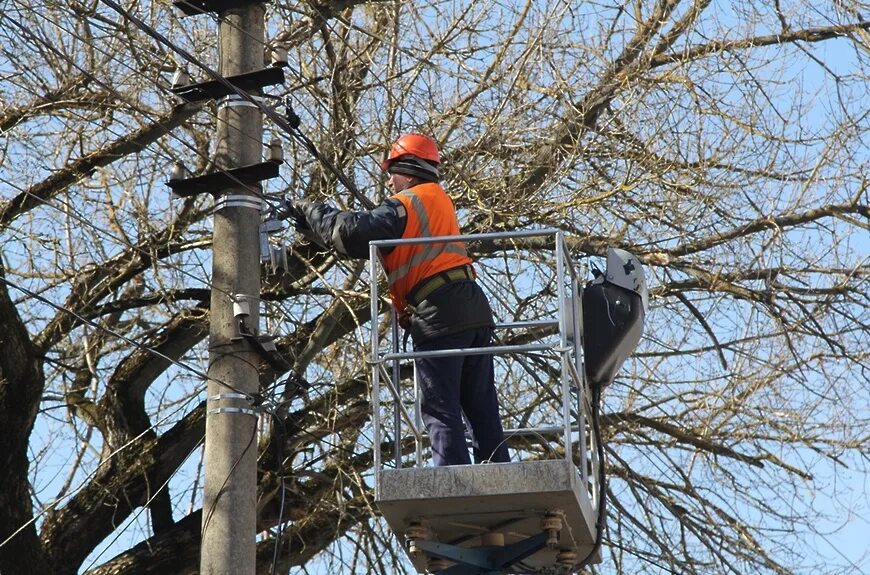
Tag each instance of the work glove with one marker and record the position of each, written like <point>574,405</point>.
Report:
<point>405,319</point>
<point>301,212</point>
<point>297,211</point>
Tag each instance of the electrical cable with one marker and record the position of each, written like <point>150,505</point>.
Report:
<point>252,189</point>
<point>281,122</point>
<point>281,425</point>
<point>255,190</point>
<point>602,480</point>
<point>204,376</point>
<point>293,120</point>
<point>85,73</point>
<point>86,221</point>
<point>101,231</point>
<point>144,506</point>
<point>219,494</point>
<point>289,126</point>
<point>93,473</point>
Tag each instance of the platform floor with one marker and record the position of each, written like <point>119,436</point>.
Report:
<point>460,503</point>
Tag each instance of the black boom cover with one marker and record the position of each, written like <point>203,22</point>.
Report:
<point>612,325</point>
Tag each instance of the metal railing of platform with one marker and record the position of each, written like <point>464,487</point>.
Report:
<point>574,400</point>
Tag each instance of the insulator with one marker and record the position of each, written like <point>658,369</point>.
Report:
<point>180,78</point>
<point>276,151</point>
<point>416,530</point>
<point>566,558</point>
<point>552,524</point>
<point>551,521</point>
<point>179,172</point>
<point>278,57</point>
<point>278,259</point>
<point>241,307</point>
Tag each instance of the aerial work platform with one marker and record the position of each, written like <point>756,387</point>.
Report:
<point>493,505</point>
<point>533,515</point>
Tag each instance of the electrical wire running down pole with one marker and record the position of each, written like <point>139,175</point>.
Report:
<point>230,487</point>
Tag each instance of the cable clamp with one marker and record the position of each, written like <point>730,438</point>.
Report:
<point>239,201</point>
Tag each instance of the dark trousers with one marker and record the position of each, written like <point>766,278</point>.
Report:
<point>451,386</point>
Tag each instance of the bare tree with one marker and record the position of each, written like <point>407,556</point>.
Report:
<point>726,146</point>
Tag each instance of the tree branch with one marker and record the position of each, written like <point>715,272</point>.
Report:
<point>807,35</point>
<point>83,167</point>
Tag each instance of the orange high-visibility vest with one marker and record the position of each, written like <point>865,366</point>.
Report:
<point>430,213</point>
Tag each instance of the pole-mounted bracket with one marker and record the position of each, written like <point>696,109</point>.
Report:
<point>216,182</point>
<point>194,7</point>
<point>214,89</point>
<point>265,346</point>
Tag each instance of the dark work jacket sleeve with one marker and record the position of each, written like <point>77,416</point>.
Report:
<point>452,308</point>
<point>349,232</point>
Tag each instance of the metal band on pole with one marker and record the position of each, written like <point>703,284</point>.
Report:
<point>234,101</point>
<point>231,396</point>
<point>240,410</point>
<point>239,396</point>
<point>239,201</point>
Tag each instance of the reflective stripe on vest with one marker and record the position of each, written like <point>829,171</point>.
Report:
<point>430,214</point>
<point>430,251</point>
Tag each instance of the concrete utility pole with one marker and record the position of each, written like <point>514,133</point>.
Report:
<point>230,487</point>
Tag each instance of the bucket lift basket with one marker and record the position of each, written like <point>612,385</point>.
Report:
<point>527,516</point>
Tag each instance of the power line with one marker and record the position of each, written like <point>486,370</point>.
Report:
<point>281,122</point>
<point>298,135</point>
<point>109,88</point>
<point>113,333</point>
<point>112,90</point>
<point>253,189</point>
<point>144,506</point>
<point>93,473</point>
<point>84,220</point>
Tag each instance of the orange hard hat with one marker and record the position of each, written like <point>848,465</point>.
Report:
<point>413,144</point>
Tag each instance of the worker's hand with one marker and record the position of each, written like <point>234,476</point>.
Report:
<point>300,212</point>
<point>405,319</point>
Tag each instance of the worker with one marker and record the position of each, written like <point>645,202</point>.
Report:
<point>434,291</point>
